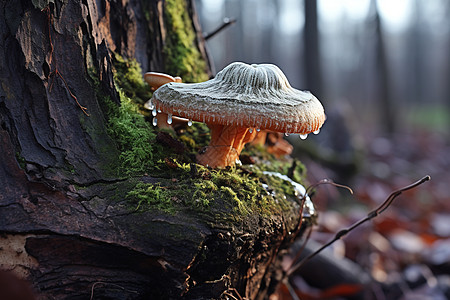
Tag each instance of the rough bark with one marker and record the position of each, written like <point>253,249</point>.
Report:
<point>61,226</point>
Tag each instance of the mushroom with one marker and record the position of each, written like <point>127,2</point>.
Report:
<point>275,143</point>
<point>240,101</point>
<point>155,80</point>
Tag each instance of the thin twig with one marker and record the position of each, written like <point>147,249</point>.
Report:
<point>302,205</point>
<point>370,216</point>
<point>299,252</point>
<point>308,192</point>
<point>226,22</point>
<point>328,181</point>
<point>291,290</point>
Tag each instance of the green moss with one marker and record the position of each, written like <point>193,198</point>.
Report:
<point>135,150</point>
<point>21,160</point>
<point>203,192</point>
<point>268,162</point>
<point>167,195</point>
<point>188,142</point>
<point>181,56</point>
<point>134,137</point>
<point>195,137</point>
<point>242,190</point>
<point>232,196</point>
<point>151,195</point>
<point>128,77</point>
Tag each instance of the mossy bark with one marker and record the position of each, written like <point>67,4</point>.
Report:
<point>63,205</point>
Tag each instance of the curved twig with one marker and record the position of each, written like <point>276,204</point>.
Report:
<point>369,216</point>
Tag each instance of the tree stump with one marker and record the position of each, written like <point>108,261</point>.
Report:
<point>63,226</point>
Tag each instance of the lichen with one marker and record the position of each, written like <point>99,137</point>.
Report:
<point>181,55</point>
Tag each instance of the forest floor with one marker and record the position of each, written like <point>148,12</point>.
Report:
<point>406,250</point>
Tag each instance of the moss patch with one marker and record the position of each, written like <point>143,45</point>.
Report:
<point>134,137</point>
<point>242,191</point>
<point>153,195</point>
<point>181,56</point>
<point>128,77</point>
<point>268,162</point>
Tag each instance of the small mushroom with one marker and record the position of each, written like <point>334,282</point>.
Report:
<point>155,80</point>
<point>240,101</point>
<point>275,143</point>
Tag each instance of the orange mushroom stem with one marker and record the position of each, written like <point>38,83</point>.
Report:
<point>227,142</point>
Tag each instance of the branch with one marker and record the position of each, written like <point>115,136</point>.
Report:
<point>226,22</point>
<point>302,205</point>
<point>374,213</point>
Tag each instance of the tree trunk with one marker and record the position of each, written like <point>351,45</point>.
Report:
<point>387,109</point>
<point>62,224</point>
<point>312,50</point>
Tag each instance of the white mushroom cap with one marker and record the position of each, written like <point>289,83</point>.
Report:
<point>252,96</point>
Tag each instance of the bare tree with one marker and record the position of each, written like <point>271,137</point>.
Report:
<point>311,49</point>
<point>387,106</point>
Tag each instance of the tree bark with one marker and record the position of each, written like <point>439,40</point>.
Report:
<point>61,225</point>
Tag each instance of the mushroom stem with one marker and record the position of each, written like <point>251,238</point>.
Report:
<point>227,142</point>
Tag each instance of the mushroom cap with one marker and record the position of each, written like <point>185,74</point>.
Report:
<point>155,79</point>
<point>252,96</point>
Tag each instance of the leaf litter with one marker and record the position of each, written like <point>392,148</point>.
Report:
<point>406,250</point>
